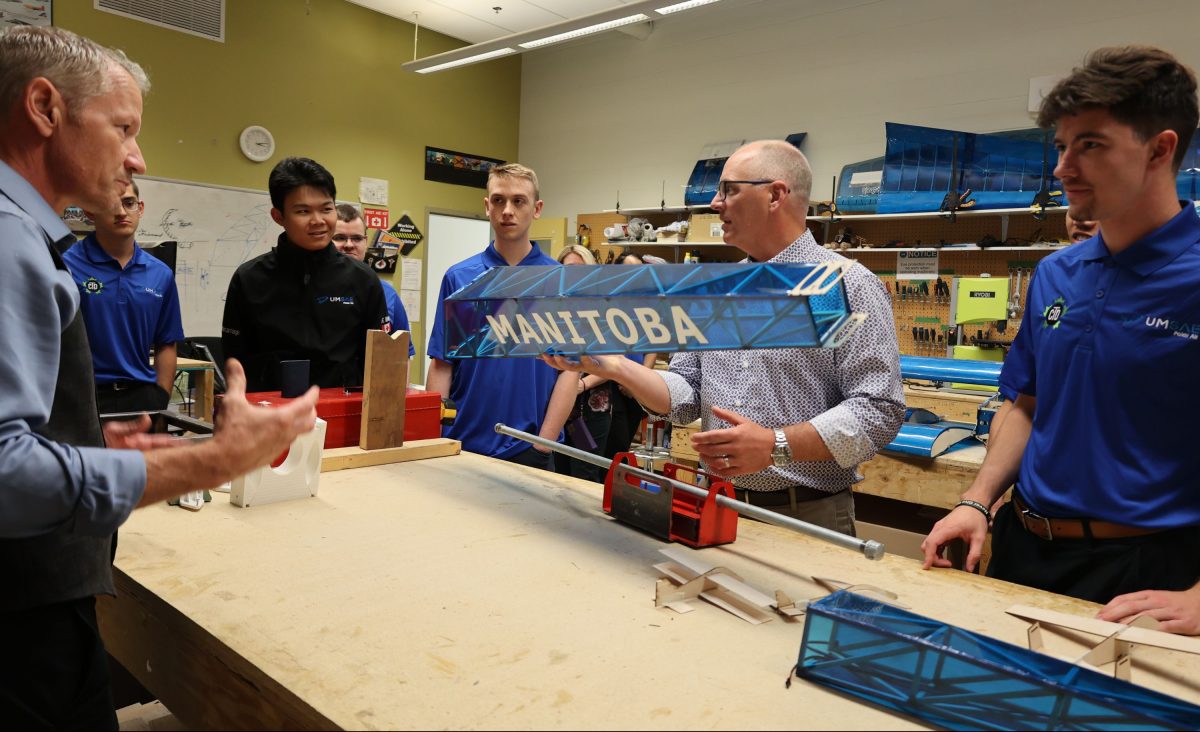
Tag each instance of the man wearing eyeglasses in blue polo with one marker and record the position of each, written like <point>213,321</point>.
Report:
<point>130,308</point>
<point>350,238</point>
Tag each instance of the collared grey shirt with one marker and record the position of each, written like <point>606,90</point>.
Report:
<point>45,484</point>
<point>851,394</point>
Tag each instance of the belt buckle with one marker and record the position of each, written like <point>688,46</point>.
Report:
<point>1027,514</point>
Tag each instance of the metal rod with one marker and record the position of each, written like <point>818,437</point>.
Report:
<point>869,548</point>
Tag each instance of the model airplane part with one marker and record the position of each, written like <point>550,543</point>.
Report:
<point>530,311</point>
<point>690,578</point>
<point>930,440</point>
<point>954,678</point>
<point>192,500</point>
<point>1118,640</point>
<point>298,476</point>
<point>951,370</point>
<point>678,511</point>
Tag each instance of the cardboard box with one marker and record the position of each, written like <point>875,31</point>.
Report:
<point>704,228</point>
<point>681,442</point>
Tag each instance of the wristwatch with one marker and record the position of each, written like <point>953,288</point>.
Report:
<point>782,454</point>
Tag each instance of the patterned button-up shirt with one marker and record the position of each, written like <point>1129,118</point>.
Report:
<point>851,394</point>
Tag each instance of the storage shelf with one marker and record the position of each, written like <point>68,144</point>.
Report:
<point>655,210</point>
<point>669,243</point>
<point>934,214</point>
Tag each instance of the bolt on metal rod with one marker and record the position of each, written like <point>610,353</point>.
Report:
<point>868,548</point>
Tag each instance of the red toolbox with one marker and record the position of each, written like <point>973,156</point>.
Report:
<point>342,411</point>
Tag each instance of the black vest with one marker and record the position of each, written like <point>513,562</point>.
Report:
<point>61,565</point>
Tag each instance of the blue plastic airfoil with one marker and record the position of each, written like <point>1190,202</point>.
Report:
<point>1002,170</point>
<point>957,679</point>
<point>953,370</point>
<point>614,309</point>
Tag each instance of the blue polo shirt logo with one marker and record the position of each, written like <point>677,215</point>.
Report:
<point>1054,313</point>
<point>93,286</point>
<point>1178,328</point>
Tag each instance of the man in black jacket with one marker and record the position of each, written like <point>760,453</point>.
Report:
<point>302,300</point>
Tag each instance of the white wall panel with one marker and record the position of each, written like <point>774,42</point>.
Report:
<point>613,112</point>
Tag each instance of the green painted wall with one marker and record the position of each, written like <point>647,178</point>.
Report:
<point>324,76</point>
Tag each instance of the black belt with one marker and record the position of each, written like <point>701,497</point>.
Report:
<point>782,496</point>
<point>120,385</point>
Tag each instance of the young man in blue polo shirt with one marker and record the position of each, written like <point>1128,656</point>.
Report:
<point>130,307</point>
<point>1100,439</point>
<point>350,238</point>
<point>515,391</point>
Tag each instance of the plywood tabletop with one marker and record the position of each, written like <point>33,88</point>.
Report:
<point>467,592</point>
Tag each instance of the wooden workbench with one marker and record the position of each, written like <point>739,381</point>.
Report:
<point>467,592</point>
<point>938,482</point>
<point>202,407</point>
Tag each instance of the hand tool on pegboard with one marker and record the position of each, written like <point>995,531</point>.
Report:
<point>670,509</point>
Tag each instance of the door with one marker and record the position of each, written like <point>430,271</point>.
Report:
<point>452,238</point>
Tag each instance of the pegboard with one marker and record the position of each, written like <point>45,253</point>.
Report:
<point>926,310</point>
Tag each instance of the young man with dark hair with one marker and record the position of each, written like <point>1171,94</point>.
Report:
<point>1100,438</point>
<point>302,300</point>
<point>130,306</point>
<point>350,238</point>
<point>515,391</point>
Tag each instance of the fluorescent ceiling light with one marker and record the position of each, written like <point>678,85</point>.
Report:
<point>587,31</point>
<point>682,6</point>
<point>468,60</point>
<point>623,15</point>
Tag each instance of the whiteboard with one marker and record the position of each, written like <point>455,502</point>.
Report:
<point>217,228</point>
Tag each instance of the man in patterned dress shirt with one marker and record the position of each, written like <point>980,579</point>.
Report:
<point>789,426</point>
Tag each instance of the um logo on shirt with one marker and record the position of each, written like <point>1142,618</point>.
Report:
<point>336,299</point>
<point>1175,326</point>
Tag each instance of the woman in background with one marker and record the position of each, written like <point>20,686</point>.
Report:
<point>589,420</point>
<point>626,414</point>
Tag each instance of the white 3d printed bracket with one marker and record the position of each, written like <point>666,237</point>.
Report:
<point>298,477</point>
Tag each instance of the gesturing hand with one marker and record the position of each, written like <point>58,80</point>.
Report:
<point>743,448</point>
<point>131,435</point>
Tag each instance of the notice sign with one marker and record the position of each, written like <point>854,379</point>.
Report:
<point>375,218</point>
<point>921,264</point>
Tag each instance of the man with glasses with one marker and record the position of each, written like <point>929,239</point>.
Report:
<point>350,238</point>
<point>130,308</point>
<point>788,426</point>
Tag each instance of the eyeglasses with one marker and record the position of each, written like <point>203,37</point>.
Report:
<point>723,186</point>
<point>130,204</point>
<point>353,238</point>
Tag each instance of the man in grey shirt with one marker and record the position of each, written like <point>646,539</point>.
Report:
<point>789,426</point>
<point>70,112</point>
